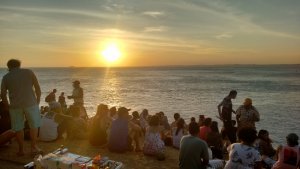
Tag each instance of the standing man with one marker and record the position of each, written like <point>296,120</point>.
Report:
<point>77,94</point>
<point>193,153</point>
<point>51,97</point>
<point>22,100</point>
<point>226,114</point>
<point>247,115</point>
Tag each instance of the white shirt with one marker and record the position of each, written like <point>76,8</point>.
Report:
<point>48,129</point>
<point>242,157</point>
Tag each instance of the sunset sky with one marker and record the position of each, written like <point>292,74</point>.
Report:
<point>58,33</point>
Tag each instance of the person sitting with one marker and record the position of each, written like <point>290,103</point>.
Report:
<point>247,115</point>
<point>193,120</point>
<point>214,141</point>
<point>113,113</point>
<point>174,123</point>
<point>178,132</point>
<point>53,123</point>
<point>6,136</point>
<point>136,136</point>
<point>100,123</point>
<point>62,101</point>
<point>288,155</point>
<point>193,151</point>
<point>204,130</point>
<point>266,149</point>
<point>78,126</point>
<point>144,120</point>
<point>243,155</point>
<point>46,109</point>
<point>154,144</point>
<point>201,120</point>
<point>5,122</point>
<point>119,140</point>
<point>164,121</point>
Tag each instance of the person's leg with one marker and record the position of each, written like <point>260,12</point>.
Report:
<point>17,125</point>
<point>33,136</point>
<point>20,140</point>
<point>34,120</point>
<point>229,131</point>
<point>6,136</point>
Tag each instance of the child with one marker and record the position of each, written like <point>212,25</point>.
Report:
<point>135,135</point>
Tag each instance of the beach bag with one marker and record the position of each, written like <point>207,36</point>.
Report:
<point>47,99</point>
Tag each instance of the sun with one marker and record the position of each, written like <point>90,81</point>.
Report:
<point>111,53</point>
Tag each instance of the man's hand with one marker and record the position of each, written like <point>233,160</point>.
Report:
<point>69,97</point>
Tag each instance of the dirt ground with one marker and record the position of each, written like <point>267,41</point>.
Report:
<point>131,160</point>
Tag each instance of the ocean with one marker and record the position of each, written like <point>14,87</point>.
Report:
<point>188,90</point>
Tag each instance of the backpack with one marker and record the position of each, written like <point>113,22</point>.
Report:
<point>47,99</point>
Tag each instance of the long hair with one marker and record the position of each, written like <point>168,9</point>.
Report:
<point>180,125</point>
<point>214,127</point>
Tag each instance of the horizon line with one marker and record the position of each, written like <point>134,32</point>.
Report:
<point>282,64</point>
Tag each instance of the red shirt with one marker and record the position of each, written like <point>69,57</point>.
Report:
<point>204,130</point>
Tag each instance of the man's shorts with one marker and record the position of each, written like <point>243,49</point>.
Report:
<point>32,115</point>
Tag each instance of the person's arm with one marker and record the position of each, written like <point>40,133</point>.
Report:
<point>256,114</point>
<point>61,117</point>
<point>4,93</point>
<point>37,88</point>
<point>278,151</point>
<point>219,109</point>
<point>238,114</point>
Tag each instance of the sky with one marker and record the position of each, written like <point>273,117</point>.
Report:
<point>62,33</point>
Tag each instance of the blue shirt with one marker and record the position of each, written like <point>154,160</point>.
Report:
<point>118,138</point>
<point>19,83</point>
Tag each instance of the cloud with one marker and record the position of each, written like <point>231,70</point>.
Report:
<point>154,14</point>
<point>243,21</point>
<point>56,11</point>
<point>224,36</point>
<point>155,29</point>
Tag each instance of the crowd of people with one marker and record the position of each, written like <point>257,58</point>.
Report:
<point>199,141</point>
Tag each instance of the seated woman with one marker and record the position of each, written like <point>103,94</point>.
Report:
<point>119,140</point>
<point>178,132</point>
<point>214,141</point>
<point>243,155</point>
<point>288,155</point>
<point>144,120</point>
<point>136,136</point>
<point>99,126</point>
<point>266,149</point>
<point>78,126</point>
<point>153,144</point>
<point>53,123</point>
<point>204,130</point>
